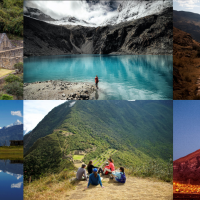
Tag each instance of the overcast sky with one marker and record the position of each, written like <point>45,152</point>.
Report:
<point>80,9</point>
<point>187,5</point>
<point>35,111</point>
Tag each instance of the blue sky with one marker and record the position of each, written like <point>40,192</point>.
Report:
<point>10,112</point>
<point>186,127</point>
<point>187,5</point>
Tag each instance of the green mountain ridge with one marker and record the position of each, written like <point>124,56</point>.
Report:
<point>140,131</point>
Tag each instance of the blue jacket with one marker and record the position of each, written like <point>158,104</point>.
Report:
<point>93,180</point>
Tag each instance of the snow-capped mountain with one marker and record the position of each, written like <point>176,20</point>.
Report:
<point>130,10</point>
<point>69,20</point>
<point>13,124</point>
<point>121,11</point>
<point>11,132</point>
<point>37,14</point>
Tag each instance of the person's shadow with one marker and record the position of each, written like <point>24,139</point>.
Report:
<point>96,95</point>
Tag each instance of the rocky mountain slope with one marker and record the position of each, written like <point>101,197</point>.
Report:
<point>140,131</point>
<point>188,167</point>
<point>14,132</point>
<point>188,22</point>
<point>186,60</point>
<point>148,35</point>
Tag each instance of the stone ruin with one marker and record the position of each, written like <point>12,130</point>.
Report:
<point>79,152</point>
<point>9,54</point>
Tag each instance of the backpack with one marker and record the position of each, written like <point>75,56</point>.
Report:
<point>122,179</point>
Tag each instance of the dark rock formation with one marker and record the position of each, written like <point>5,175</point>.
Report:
<point>188,168</point>
<point>148,35</point>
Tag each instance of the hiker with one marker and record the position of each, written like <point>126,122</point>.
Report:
<point>102,170</point>
<point>90,167</point>
<point>94,179</point>
<point>81,173</point>
<point>120,176</point>
<point>111,166</point>
<point>96,81</point>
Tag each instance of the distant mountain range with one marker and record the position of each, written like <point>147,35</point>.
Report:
<point>187,169</point>
<point>37,14</point>
<point>125,11</point>
<point>11,132</point>
<point>141,131</point>
<point>13,124</point>
<point>152,34</point>
<point>188,22</point>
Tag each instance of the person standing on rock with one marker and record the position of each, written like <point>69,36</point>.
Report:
<point>81,173</point>
<point>96,81</point>
<point>94,179</point>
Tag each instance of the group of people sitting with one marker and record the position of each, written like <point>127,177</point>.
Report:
<point>94,173</point>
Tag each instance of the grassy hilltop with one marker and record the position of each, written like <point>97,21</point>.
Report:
<point>138,134</point>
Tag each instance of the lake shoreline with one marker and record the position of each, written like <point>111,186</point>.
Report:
<point>59,90</point>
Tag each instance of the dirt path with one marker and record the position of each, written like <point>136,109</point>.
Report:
<point>133,189</point>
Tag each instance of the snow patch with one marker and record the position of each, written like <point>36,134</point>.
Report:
<point>72,104</point>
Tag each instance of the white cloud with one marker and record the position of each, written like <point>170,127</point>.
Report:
<point>188,4</point>
<point>35,111</point>
<point>96,14</point>
<point>16,185</point>
<point>18,113</point>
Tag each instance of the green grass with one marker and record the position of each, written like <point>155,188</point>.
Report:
<point>140,132</point>
<point>78,157</point>
<point>11,153</point>
<point>11,149</point>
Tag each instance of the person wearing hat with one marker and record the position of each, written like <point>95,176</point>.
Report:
<point>81,173</point>
<point>94,179</point>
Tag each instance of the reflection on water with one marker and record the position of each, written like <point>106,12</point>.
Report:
<point>11,179</point>
<point>121,77</point>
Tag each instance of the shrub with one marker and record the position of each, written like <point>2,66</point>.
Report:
<point>19,66</point>
<point>6,97</point>
<point>11,16</point>
<point>14,88</point>
<point>13,78</point>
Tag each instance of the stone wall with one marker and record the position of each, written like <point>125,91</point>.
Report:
<point>5,43</point>
<point>77,152</point>
<point>8,63</point>
<point>12,53</point>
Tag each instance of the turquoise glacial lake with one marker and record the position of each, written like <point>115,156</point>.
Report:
<point>11,180</point>
<point>124,77</point>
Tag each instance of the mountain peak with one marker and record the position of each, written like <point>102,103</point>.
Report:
<point>17,122</point>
